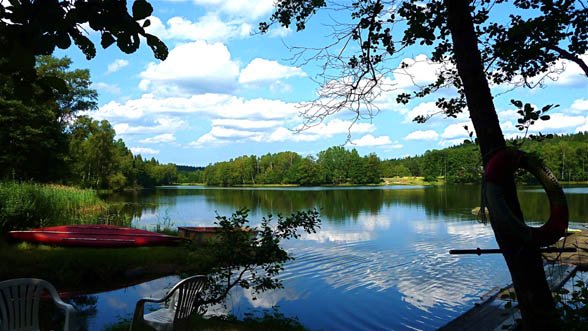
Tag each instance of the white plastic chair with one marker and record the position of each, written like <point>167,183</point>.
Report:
<point>183,303</point>
<point>19,304</point>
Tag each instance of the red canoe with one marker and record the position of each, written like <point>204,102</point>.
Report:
<point>94,236</point>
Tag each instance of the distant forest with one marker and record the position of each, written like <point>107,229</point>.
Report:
<point>565,155</point>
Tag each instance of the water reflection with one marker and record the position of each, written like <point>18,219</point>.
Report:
<point>379,261</point>
<point>95,312</point>
<point>197,205</point>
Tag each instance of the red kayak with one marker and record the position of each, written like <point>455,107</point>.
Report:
<point>94,236</point>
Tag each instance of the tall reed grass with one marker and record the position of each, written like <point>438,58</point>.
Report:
<point>29,205</point>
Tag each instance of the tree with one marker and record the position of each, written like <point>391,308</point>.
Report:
<point>95,156</point>
<point>29,28</point>
<point>356,168</point>
<point>33,135</point>
<point>372,169</point>
<point>252,262</point>
<point>476,50</point>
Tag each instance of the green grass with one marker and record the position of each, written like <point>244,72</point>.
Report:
<point>30,205</point>
<point>77,268</point>
<point>268,320</point>
<point>411,180</point>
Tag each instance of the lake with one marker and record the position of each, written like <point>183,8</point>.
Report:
<point>380,260</point>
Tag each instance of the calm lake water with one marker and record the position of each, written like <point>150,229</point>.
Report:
<point>380,260</point>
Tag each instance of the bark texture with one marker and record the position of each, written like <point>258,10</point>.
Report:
<point>523,259</point>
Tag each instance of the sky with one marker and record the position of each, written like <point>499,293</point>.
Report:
<point>226,91</point>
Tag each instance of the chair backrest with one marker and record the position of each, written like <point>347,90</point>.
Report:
<point>19,303</point>
<point>187,298</point>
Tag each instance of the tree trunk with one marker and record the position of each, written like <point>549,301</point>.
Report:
<point>524,261</point>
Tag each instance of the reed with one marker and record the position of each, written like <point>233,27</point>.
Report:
<point>29,205</point>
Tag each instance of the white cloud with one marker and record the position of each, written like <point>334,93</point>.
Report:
<point>558,121</point>
<point>244,9</point>
<point>204,141</point>
<point>573,76</point>
<point>208,27</point>
<point>584,127</point>
<point>231,111</point>
<point>163,124</point>
<point>105,87</point>
<point>192,68</point>
<point>279,87</point>
<point>563,73</point>
<point>579,106</point>
<point>395,146</point>
<point>427,109</point>
<point>162,138</point>
<point>283,134</point>
<point>508,115</point>
<point>337,126</point>
<point>451,142</point>
<point>221,135</point>
<point>279,31</point>
<point>144,150</point>
<point>457,130</point>
<point>420,71</point>
<point>246,124</point>
<point>117,65</point>
<point>423,135</point>
<point>266,71</point>
<point>220,132</point>
<point>369,140</point>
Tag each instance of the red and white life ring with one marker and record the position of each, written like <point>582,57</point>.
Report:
<point>504,163</point>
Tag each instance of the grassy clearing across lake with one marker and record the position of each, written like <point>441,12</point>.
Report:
<point>30,205</point>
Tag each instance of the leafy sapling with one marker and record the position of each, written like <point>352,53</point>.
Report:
<point>252,257</point>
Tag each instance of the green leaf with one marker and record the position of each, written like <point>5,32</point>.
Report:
<point>159,49</point>
<point>53,82</point>
<point>528,108</point>
<point>141,9</point>
<point>545,117</point>
<point>107,40</point>
<point>146,23</point>
<point>517,103</point>
<point>62,40</point>
<point>85,45</point>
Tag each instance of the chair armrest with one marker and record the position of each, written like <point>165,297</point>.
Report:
<point>59,303</point>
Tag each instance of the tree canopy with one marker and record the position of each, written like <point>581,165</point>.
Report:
<point>30,28</point>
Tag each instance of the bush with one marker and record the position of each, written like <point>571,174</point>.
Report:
<point>252,262</point>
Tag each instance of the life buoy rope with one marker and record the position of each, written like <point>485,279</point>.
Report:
<point>504,164</point>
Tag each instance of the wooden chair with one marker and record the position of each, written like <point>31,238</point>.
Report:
<point>183,302</point>
<point>19,303</point>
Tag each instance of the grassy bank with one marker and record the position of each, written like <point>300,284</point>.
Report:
<point>406,180</point>
<point>410,180</point>
<point>94,269</point>
<point>31,205</point>
<point>267,321</point>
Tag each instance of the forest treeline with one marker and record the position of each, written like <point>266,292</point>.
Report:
<point>333,166</point>
<point>565,155</point>
<point>44,139</point>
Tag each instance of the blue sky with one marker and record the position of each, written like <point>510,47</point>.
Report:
<point>224,91</point>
